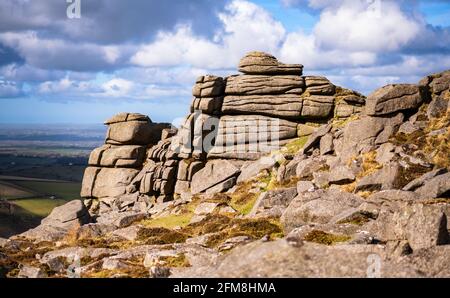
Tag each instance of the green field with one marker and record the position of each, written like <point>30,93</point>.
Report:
<point>32,199</point>
<point>41,196</point>
<point>61,190</point>
<point>37,207</point>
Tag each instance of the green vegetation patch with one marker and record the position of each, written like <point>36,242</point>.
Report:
<point>296,145</point>
<point>242,200</point>
<point>322,237</point>
<point>39,207</point>
<point>181,219</point>
<point>170,221</point>
<point>61,190</point>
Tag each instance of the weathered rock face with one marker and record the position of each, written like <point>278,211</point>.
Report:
<point>243,117</point>
<point>319,86</point>
<point>208,86</point>
<point>132,129</point>
<point>366,133</point>
<point>270,92</point>
<point>317,207</point>
<point>423,226</point>
<point>282,106</point>
<point>259,63</point>
<point>394,98</point>
<point>318,107</point>
<point>114,168</point>
<point>112,182</point>
<point>214,173</point>
<point>158,176</point>
<point>281,259</point>
<point>263,85</point>
<point>117,156</point>
<point>186,170</point>
<point>253,129</point>
<point>437,187</point>
<point>60,221</point>
<point>274,200</point>
<point>207,105</point>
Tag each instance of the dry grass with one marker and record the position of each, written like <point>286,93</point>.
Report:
<point>224,227</point>
<point>369,165</point>
<point>348,187</point>
<point>437,147</point>
<point>175,262</point>
<point>23,252</point>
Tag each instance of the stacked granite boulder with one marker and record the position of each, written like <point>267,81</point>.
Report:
<point>267,106</point>
<point>159,174</point>
<point>196,134</point>
<point>113,166</point>
<point>202,120</point>
<point>237,118</point>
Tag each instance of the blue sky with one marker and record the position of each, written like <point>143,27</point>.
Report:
<point>144,55</point>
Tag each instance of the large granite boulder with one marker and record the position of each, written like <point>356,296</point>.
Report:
<point>437,187</point>
<point>423,226</point>
<point>61,220</point>
<point>208,86</point>
<point>73,212</point>
<point>264,85</point>
<point>133,129</point>
<point>214,173</point>
<point>348,102</point>
<point>363,134</point>
<point>317,207</point>
<point>247,137</point>
<point>394,98</point>
<point>319,86</point>
<point>419,182</point>
<point>117,156</point>
<point>274,202</point>
<point>317,106</point>
<point>389,177</point>
<point>207,105</point>
<point>281,105</point>
<point>260,63</point>
<point>106,182</point>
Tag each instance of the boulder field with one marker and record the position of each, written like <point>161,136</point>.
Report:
<point>271,174</point>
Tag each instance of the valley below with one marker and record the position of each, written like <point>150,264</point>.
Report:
<point>41,167</point>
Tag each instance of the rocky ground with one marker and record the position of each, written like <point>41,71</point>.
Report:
<point>360,189</point>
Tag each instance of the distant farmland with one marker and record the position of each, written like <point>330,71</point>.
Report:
<point>31,200</point>
<point>41,167</point>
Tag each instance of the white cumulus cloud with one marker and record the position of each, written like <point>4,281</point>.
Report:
<point>245,27</point>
